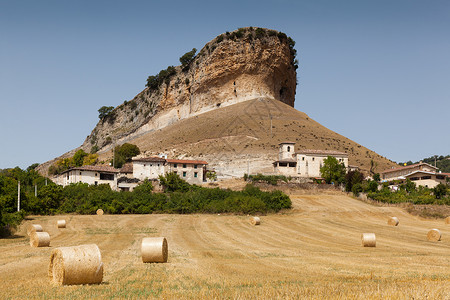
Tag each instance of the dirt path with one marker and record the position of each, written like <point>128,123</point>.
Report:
<point>312,251</point>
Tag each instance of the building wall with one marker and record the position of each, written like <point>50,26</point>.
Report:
<point>187,172</point>
<point>430,183</point>
<point>286,151</point>
<point>89,177</point>
<point>406,171</point>
<point>308,165</point>
<point>150,170</point>
<point>287,170</point>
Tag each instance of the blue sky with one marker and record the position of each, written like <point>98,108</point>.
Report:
<point>377,72</point>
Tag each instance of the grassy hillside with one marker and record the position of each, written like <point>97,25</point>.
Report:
<point>244,129</point>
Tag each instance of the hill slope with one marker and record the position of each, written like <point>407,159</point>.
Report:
<point>237,138</point>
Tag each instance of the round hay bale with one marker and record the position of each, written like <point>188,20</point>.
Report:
<point>34,228</point>
<point>61,223</point>
<point>434,235</point>
<point>368,240</point>
<point>100,212</point>
<point>154,249</point>
<point>39,239</point>
<point>255,220</point>
<point>393,221</point>
<point>76,265</point>
<point>447,220</point>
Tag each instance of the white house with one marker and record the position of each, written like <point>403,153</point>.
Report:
<point>422,174</point>
<point>304,163</point>
<point>193,171</point>
<point>89,174</point>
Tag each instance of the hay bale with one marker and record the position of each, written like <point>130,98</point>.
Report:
<point>368,240</point>
<point>154,249</point>
<point>255,220</point>
<point>61,223</point>
<point>100,212</point>
<point>76,265</point>
<point>39,239</point>
<point>434,235</point>
<point>34,228</point>
<point>447,220</point>
<point>393,221</point>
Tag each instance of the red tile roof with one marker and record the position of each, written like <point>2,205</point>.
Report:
<point>407,167</point>
<point>185,161</point>
<point>101,168</point>
<point>127,168</point>
<point>324,152</point>
<point>150,159</point>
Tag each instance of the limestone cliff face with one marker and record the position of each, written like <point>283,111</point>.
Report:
<point>234,67</point>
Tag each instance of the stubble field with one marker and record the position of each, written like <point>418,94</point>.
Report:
<point>312,251</point>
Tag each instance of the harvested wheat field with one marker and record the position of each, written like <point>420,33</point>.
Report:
<point>312,251</point>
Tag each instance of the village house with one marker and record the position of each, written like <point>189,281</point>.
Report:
<point>140,169</point>
<point>193,171</point>
<point>304,163</point>
<point>89,174</point>
<point>422,174</point>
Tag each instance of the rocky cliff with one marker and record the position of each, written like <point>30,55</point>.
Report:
<point>234,67</point>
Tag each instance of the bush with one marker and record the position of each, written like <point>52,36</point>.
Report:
<point>271,179</point>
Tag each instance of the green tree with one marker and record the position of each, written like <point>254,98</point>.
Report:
<point>104,111</point>
<point>124,153</point>
<point>352,178</point>
<point>440,191</point>
<point>211,175</point>
<point>188,57</point>
<point>78,158</point>
<point>173,183</point>
<point>376,177</point>
<point>332,170</point>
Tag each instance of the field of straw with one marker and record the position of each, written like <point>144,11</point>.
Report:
<point>313,251</point>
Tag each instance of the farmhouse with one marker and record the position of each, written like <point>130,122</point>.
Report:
<point>193,171</point>
<point>304,163</point>
<point>128,177</point>
<point>89,174</point>
<point>422,174</point>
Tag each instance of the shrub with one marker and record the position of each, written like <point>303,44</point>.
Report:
<point>188,57</point>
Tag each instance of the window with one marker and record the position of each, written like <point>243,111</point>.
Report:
<point>175,165</point>
<point>195,174</point>
<point>184,174</point>
<point>106,176</point>
<point>96,183</point>
<point>313,159</point>
<point>175,172</point>
<point>184,165</point>
<point>195,166</point>
<point>145,165</point>
<point>426,177</point>
<point>158,165</point>
<point>303,158</point>
<point>289,149</point>
<point>80,173</point>
<point>96,175</point>
<point>440,177</point>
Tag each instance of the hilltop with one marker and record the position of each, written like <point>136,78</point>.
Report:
<point>219,106</point>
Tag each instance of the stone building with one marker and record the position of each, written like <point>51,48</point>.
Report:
<point>304,163</point>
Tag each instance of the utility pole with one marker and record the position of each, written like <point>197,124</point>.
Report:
<point>18,196</point>
<point>35,190</point>
<point>114,155</point>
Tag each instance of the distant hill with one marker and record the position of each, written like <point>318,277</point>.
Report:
<point>442,162</point>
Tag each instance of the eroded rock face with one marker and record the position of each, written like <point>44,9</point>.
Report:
<point>232,68</point>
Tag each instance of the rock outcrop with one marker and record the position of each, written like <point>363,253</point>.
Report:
<point>234,67</point>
